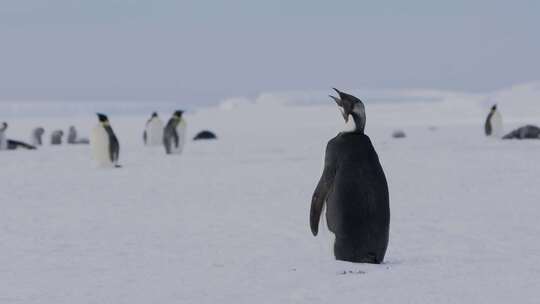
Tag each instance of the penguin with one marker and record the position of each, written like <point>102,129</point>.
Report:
<point>354,187</point>
<point>525,132</point>
<point>493,126</point>
<point>10,144</point>
<point>37,135</point>
<point>56,137</point>
<point>3,139</point>
<point>399,134</point>
<point>74,139</point>
<point>105,145</point>
<point>205,134</point>
<point>174,134</point>
<point>153,131</point>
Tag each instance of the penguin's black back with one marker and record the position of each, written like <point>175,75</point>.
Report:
<point>488,128</point>
<point>114,145</point>
<point>170,136</point>
<point>358,203</point>
<point>205,134</point>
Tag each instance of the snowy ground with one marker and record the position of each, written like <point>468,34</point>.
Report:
<point>227,221</point>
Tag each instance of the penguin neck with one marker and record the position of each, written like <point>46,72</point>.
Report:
<point>355,125</point>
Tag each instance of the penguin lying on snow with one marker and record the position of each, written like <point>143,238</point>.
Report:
<point>37,135</point>
<point>153,132</point>
<point>10,144</point>
<point>355,190</point>
<point>493,125</point>
<point>205,134</point>
<point>399,134</point>
<point>105,145</point>
<point>56,137</point>
<point>525,132</point>
<point>74,139</point>
<point>174,134</point>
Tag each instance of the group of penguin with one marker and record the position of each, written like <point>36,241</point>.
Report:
<point>106,147</point>
<point>37,138</point>
<point>352,188</point>
<point>104,143</point>
<point>493,127</point>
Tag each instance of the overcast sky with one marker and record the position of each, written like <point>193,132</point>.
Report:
<point>202,51</point>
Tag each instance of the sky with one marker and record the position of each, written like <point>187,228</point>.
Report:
<point>204,51</point>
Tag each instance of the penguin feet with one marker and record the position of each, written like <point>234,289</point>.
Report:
<point>346,249</point>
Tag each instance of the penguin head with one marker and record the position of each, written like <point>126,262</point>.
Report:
<point>39,131</point>
<point>3,126</point>
<point>154,115</point>
<point>350,105</point>
<point>494,107</point>
<point>103,118</point>
<point>178,114</point>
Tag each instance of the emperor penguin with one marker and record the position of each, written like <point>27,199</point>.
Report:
<point>56,137</point>
<point>105,145</point>
<point>153,131</point>
<point>205,135</point>
<point>494,124</point>
<point>37,135</point>
<point>10,144</point>
<point>3,138</point>
<point>174,134</point>
<point>353,186</point>
<point>525,132</point>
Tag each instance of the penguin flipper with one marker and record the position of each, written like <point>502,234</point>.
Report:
<point>114,148</point>
<point>321,191</point>
<point>176,138</point>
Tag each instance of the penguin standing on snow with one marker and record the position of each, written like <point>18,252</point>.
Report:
<point>174,134</point>
<point>153,132</point>
<point>355,190</point>
<point>37,135</point>
<point>105,146</point>
<point>3,138</point>
<point>494,126</point>
<point>56,137</point>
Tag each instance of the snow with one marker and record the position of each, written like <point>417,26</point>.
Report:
<point>227,221</point>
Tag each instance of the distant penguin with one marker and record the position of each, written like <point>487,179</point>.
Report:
<point>74,139</point>
<point>205,134</point>
<point>399,134</point>
<point>105,145</point>
<point>10,144</point>
<point>174,134</point>
<point>493,126</point>
<point>56,137</point>
<point>355,190</point>
<point>525,132</point>
<point>3,138</point>
<point>153,131</point>
<point>37,135</point>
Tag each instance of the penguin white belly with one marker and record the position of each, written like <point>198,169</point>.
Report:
<point>154,133</point>
<point>497,125</point>
<point>181,131</point>
<point>99,140</point>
